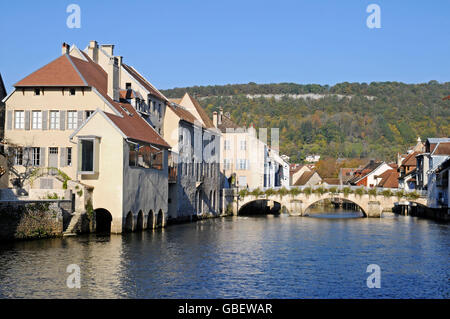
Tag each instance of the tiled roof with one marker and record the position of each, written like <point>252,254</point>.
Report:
<point>364,171</point>
<point>148,86</point>
<point>410,160</point>
<point>205,118</point>
<point>226,124</point>
<point>442,148</point>
<point>306,176</point>
<point>389,179</point>
<point>59,72</point>
<point>331,181</point>
<point>184,114</point>
<point>71,71</point>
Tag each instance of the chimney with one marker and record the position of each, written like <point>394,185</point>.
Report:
<point>112,69</point>
<point>65,48</point>
<point>215,119</point>
<point>108,48</point>
<point>93,51</point>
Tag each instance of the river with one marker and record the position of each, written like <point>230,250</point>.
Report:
<point>322,256</point>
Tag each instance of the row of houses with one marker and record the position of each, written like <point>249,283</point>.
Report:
<point>91,127</point>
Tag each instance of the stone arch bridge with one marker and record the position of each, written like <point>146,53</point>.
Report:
<point>371,205</point>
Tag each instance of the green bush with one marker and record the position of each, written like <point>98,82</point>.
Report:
<point>269,192</point>
<point>307,191</point>
<point>412,195</point>
<point>320,190</point>
<point>387,193</point>
<point>372,192</point>
<point>360,191</point>
<point>346,191</point>
<point>256,192</point>
<point>243,193</point>
<point>283,192</point>
<point>333,190</point>
<point>400,194</point>
<point>294,191</point>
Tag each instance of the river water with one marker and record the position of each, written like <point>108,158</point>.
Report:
<point>322,256</point>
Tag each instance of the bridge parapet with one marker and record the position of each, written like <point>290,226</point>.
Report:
<point>372,201</point>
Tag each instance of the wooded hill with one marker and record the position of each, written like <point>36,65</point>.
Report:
<point>353,120</point>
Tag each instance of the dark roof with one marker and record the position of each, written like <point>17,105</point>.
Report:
<point>306,176</point>
<point>150,88</point>
<point>332,181</point>
<point>2,89</point>
<point>410,160</point>
<point>364,171</point>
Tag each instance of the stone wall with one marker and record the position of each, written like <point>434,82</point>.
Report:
<point>32,219</point>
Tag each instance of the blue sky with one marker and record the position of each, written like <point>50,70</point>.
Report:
<point>198,42</point>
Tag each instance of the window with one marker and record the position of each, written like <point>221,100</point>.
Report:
<point>37,120</point>
<point>159,111</point>
<point>87,155</point>
<point>72,120</point>
<point>35,156</point>
<point>54,120</point>
<point>242,164</point>
<point>19,117</point>
<point>37,91</point>
<point>69,156</point>
<point>243,145</point>
<point>88,114</point>
<point>18,156</point>
<point>226,144</point>
<point>72,92</point>
<point>128,86</point>
<point>227,164</point>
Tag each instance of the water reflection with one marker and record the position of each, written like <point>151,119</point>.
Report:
<point>239,257</point>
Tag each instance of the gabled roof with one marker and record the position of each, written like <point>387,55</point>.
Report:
<point>410,159</point>
<point>147,85</point>
<point>184,114</point>
<point>306,176</point>
<point>204,117</point>
<point>389,179</point>
<point>442,148</point>
<point>59,72</point>
<point>360,173</point>
<point>226,123</point>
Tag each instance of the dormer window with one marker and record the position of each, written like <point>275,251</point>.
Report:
<point>72,91</point>
<point>37,91</point>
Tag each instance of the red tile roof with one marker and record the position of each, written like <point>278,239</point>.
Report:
<point>59,72</point>
<point>184,114</point>
<point>443,148</point>
<point>71,71</point>
<point>410,160</point>
<point>389,179</point>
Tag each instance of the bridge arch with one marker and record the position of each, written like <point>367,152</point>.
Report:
<point>140,221</point>
<point>128,225</point>
<point>261,207</point>
<point>315,201</point>
<point>103,219</point>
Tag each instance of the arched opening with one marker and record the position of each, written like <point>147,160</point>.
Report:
<point>260,207</point>
<point>211,208</point>
<point>150,220</point>
<point>128,226</point>
<point>159,219</point>
<point>103,221</point>
<point>334,208</point>
<point>214,204</point>
<point>140,221</point>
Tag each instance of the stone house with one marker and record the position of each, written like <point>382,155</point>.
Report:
<point>65,119</point>
<point>436,151</point>
<point>309,178</point>
<point>368,175</point>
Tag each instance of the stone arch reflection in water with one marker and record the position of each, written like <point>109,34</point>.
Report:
<point>334,208</point>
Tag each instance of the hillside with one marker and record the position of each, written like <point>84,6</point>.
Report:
<point>345,120</point>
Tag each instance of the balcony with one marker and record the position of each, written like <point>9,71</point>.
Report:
<point>173,174</point>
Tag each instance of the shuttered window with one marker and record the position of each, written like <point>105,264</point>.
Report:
<point>72,120</point>
<point>36,120</point>
<point>19,120</point>
<point>54,120</point>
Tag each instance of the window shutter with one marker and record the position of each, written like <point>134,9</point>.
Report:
<point>27,120</point>
<point>62,157</point>
<point>44,120</point>
<point>9,120</point>
<point>42,158</point>
<point>247,164</point>
<point>80,118</point>
<point>62,120</point>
